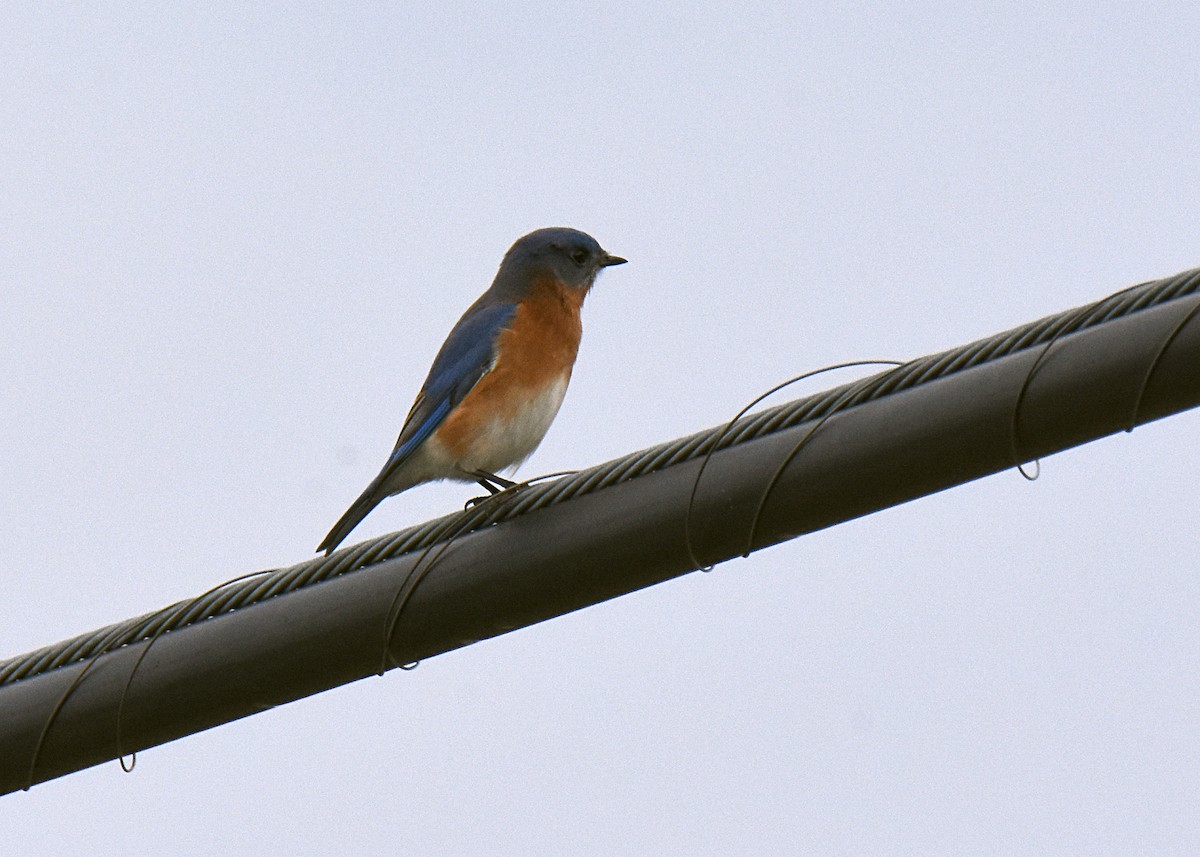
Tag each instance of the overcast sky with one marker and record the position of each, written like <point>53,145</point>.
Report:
<point>233,240</point>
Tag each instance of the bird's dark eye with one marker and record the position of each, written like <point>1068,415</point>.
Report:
<point>580,256</point>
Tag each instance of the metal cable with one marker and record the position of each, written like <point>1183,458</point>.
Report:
<point>271,583</point>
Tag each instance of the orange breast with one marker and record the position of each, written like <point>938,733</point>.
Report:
<point>537,349</point>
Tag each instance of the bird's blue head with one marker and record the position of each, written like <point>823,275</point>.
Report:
<point>574,258</point>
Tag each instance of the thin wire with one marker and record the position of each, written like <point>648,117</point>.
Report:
<point>417,573</point>
<point>173,610</point>
<point>41,741</point>
<point>1153,367</point>
<point>1068,322</point>
<point>787,459</point>
<point>480,508</point>
<point>182,608</point>
<point>716,444</point>
<point>1014,426</point>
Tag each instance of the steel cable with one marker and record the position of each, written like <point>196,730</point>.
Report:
<point>245,592</point>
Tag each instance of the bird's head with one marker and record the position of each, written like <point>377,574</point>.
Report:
<point>574,258</point>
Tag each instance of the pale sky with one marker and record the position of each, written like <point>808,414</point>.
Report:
<point>233,241</point>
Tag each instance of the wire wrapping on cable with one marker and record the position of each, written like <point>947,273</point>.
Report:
<point>242,593</point>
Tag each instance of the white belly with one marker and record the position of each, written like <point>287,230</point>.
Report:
<point>510,439</point>
<point>505,442</point>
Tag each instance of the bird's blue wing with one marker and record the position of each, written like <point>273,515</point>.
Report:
<point>466,356</point>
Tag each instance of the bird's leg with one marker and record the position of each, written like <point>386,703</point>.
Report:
<point>493,483</point>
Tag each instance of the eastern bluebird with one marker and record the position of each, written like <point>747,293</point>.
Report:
<point>500,376</point>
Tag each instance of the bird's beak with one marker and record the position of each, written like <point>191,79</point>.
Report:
<point>610,259</point>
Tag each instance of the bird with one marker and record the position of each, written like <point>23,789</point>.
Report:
<point>500,377</point>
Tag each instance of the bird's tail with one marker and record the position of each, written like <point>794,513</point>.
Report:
<point>358,510</point>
